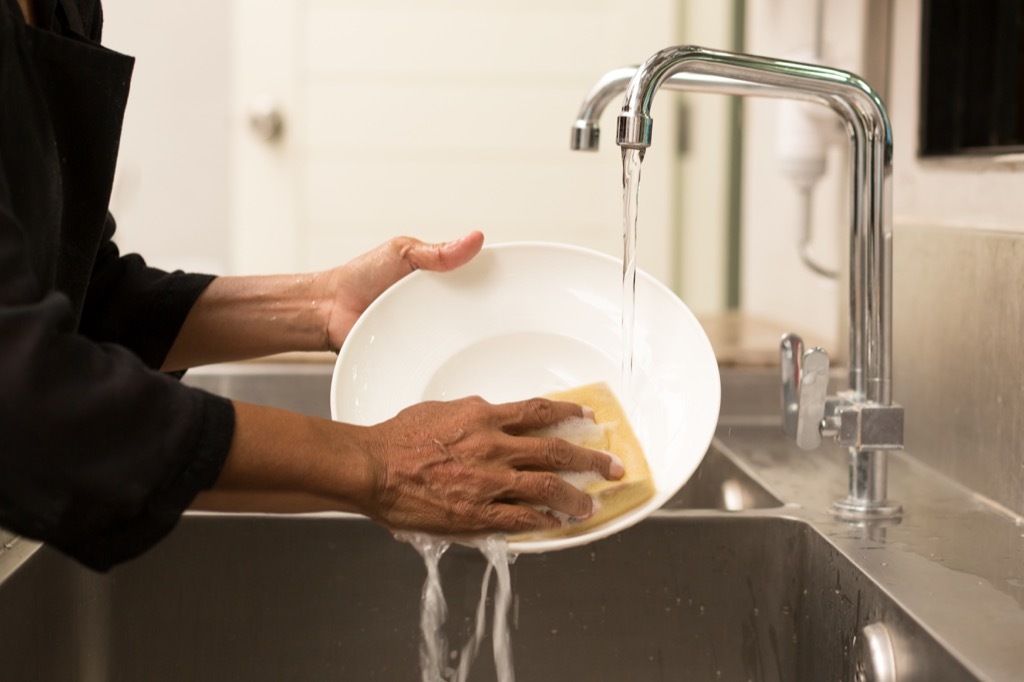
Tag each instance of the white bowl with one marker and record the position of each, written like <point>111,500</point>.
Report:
<point>525,319</point>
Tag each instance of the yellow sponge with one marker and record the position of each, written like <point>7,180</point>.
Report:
<point>609,432</point>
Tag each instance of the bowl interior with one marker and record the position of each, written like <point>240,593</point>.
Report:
<point>526,319</point>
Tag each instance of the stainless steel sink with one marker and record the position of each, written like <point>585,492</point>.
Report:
<point>300,387</point>
<point>268,598</point>
<point>742,576</point>
<point>721,483</point>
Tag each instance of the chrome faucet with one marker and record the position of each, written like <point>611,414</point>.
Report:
<point>864,417</point>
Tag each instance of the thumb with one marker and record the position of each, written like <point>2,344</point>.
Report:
<point>445,255</point>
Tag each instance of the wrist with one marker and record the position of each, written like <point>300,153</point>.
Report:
<point>321,307</point>
<point>312,464</point>
<point>348,471</point>
<point>246,317</point>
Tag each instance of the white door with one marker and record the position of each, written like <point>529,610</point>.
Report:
<point>434,117</point>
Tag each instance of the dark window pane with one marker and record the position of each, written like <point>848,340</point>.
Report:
<point>972,77</point>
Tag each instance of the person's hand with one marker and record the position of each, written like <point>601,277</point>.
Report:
<point>462,467</point>
<point>354,286</point>
<point>247,317</point>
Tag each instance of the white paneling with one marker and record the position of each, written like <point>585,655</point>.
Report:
<point>705,171</point>
<point>488,41</point>
<point>775,284</point>
<point>406,189</point>
<point>431,118</point>
<point>170,191</point>
<point>366,202</point>
<point>267,233</point>
<point>336,241</point>
<point>530,5</point>
<point>488,118</point>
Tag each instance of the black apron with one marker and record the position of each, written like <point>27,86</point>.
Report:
<point>84,88</point>
<point>100,455</point>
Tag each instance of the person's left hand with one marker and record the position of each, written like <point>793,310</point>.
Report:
<point>354,286</point>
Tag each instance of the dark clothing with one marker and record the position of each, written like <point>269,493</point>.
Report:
<point>100,453</point>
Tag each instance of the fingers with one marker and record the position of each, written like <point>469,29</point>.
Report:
<point>518,518</point>
<point>547,453</point>
<point>460,467</point>
<point>439,257</point>
<point>555,454</point>
<point>498,517</point>
<point>536,413</point>
<point>550,490</point>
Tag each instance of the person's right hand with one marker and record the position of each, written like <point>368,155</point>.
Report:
<point>464,467</point>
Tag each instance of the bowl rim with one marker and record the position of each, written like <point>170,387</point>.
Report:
<point>539,545</point>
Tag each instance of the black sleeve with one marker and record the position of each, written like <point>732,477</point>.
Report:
<point>99,455</point>
<point>134,305</point>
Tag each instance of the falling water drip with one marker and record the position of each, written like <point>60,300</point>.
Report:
<point>433,609</point>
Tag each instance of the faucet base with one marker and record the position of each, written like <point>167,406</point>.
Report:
<point>850,509</point>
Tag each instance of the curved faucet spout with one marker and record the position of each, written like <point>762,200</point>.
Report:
<point>586,130</point>
<point>864,417</point>
<point>743,74</point>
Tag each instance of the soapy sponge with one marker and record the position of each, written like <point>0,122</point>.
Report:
<point>609,432</point>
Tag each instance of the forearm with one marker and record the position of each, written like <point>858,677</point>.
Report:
<point>441,467</point>
<point>281,461</point>
<point>236,502</point>
<point>245,317</point>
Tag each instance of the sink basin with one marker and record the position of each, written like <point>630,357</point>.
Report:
<point>300,387</point>
<point>319,598</point>
<point>720,483</point>
<point>725,582</point>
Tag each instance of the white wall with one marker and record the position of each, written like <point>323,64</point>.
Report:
<point>775,284</point>
<point>435,117</point>
<point>170,190</point>
<point>382,100</point>
<point>705,169</point>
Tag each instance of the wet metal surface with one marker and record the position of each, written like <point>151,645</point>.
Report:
<point>743,576</point>
<point>268,598</point>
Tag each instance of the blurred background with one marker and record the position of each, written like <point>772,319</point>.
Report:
<point>275,136</point>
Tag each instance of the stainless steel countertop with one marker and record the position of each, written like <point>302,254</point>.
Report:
<point>955,561</point>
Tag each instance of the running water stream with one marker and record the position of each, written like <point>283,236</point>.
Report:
<point>631,160</point>
<point>434,654</point>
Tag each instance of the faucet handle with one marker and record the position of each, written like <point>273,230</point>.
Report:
<point>804,389</point>
<point>791,351</point>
